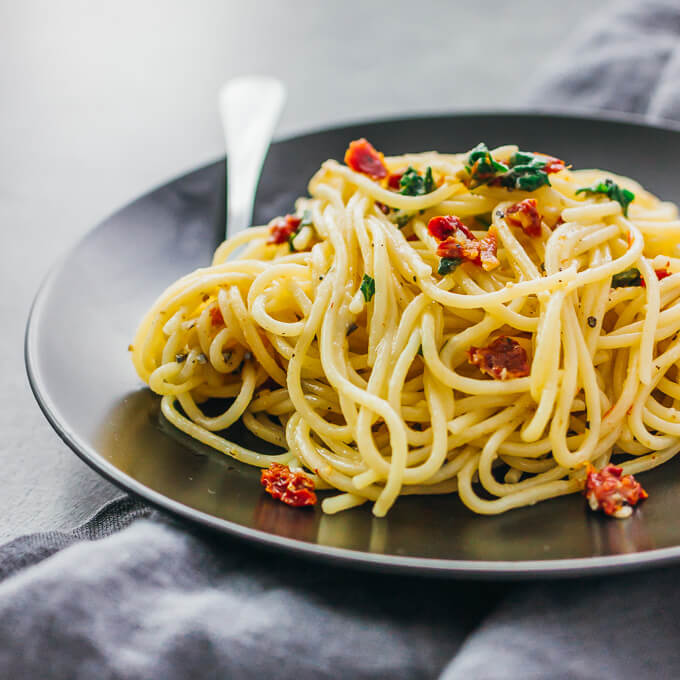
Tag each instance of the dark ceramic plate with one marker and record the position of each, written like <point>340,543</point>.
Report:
<point>88,308</point>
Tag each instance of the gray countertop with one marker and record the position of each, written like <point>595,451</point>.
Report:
<point>102,101</point>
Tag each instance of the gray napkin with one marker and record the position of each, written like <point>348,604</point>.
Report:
<point>626,60</point>
<point>164,600</point>
<point>135,594</point>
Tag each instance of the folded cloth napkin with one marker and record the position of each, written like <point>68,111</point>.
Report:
<point>160,599</point>
<point>136,594</point>
<point>626,60</point>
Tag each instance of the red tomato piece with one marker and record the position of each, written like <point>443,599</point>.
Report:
<point>660,274</point>
<point>459,247</point>
<point>525,215</point>
<point>504,358</point>
<point>384,209</point>
<point>444,226</point>
<point>612,492</point>
<point>216,316</point>
<point>292,488</point>
<point>282,228</point>
<point>394,180</point>
<point>552,164</point>
<point>457,241</point>
<point>488,251</point>
<point>362,157</point>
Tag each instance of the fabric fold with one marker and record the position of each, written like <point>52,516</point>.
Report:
<point>626,58</point>
<point>161,599</point>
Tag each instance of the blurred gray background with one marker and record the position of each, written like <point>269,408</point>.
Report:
<point>99,102</point>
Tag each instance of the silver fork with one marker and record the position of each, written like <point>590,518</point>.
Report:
<point>250,107</point>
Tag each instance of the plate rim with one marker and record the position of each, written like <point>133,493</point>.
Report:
<point>572,113</point>
<point>386,562</point>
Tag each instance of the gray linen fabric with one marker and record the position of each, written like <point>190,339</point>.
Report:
<point>627,60</point>
<point>162,600</point>
<point>617,627</point>
<point>133,594</point>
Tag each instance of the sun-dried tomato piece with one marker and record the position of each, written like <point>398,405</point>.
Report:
<point>459,246</point>
<point>457,241</point>
<point>660,274</point>
<point>282,228</point>
<point>394,180</point>
<point>613,492</point>
<point>216,317</point>
<point>488,250</point>
<point>504,358</point>
<point>525,215</point>
<point>444,226</point>
<point>362,157</point>
<point>552,164</point>
<point>292,488</point>
<point>384,209</point>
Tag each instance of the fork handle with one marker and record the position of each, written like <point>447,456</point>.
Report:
<point>250,107</point>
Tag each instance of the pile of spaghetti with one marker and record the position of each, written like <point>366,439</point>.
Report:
<point>491,324</point>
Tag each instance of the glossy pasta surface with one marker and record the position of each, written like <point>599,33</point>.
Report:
<point>494,354</point>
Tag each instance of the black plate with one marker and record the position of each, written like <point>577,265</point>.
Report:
<point>87,310</point>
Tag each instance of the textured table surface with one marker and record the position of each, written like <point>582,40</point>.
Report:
<point>102,101</point>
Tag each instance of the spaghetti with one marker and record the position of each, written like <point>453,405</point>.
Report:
<point>487,324</point>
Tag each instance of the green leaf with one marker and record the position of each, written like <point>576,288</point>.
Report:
<point>527,177</point>
<point>610,188</point>
<point>522,158</point>
<point>630,277</point>
<point>429,180</point>
<point>482,154</point>
<point>448,264</point>
<point>482,166</point>
<point>400,218</point>
<point>524,172</point>
<point>368,287</point>
<point>480,151</point>
<point>413,184</point>
<point>306,221</point>
<point>291,239</point>
<point>527,158</point>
